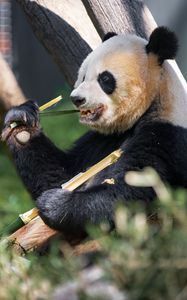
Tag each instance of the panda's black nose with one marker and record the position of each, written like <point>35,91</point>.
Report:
<point>78,101</point>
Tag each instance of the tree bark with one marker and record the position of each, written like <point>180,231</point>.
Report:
<point>120,16</point>
<point>34,235</point>
<point>10,92</point>
<point>65,30</point>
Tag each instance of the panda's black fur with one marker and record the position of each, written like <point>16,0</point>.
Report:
<point>163,43</point>
<point>44,168</point>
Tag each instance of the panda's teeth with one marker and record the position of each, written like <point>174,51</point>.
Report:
<point>91,115</point>
<point>87,112</point>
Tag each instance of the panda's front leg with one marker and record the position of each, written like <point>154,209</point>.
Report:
<point>69,212</point>
<point>41,165</point>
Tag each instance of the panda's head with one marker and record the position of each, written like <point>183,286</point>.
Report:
<point>120,79</point>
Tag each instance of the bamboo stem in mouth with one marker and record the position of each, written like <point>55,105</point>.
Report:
<point>59,112</point>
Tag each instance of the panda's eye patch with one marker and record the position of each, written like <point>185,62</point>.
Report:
<point>107,82</point>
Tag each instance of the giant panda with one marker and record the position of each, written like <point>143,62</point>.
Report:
<point>127,94</point>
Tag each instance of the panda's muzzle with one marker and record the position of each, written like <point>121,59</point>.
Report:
<point>78,101</point>
<point>87,114</point>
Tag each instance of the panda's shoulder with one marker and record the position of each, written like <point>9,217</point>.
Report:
<point>159,145</point>
<point>160,135</point>
<point>162,130</point>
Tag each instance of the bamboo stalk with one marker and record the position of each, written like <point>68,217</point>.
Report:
<point>29,215</point>
<point>59,113</point>
<point>81,178</point>
<point>50,103</point>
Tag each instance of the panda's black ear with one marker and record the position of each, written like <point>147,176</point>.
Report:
<point>108,36</point>
<point>162,43</point>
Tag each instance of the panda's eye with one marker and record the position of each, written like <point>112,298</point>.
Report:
<point>107,82</point>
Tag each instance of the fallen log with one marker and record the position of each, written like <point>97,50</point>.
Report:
<point>33,235</point>
<point>36,235</point>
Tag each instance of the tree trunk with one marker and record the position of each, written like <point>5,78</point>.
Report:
<point>120,16</point>
<point>65,30</point>
<point>10,92</point>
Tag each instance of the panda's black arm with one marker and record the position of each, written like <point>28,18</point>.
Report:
<point>42,166</point>
<point>40,163</point>
<point>69,212</point>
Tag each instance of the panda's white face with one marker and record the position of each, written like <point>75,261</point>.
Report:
<point>114,84</point>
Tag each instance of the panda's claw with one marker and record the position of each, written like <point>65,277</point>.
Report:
<point>26,114</point>
<point>52,205</point>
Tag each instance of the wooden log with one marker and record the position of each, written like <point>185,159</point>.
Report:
<point>33,235</point>
<point>88,247</point>
<point>10,92</point>
<point>36,234</point>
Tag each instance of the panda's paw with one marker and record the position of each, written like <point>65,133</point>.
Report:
<point>20,122</point>
<point>53,207</point>
<point>26,114</point>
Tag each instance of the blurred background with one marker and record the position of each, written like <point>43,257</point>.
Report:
<point>41,80</point>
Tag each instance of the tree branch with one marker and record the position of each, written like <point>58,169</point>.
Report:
<point>10,92</point>
<point>120,16</point>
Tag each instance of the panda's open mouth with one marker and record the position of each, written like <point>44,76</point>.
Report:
<point>92,114</point>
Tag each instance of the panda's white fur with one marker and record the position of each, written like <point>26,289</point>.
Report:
<point>177,91</point>
<point>139,81</point>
